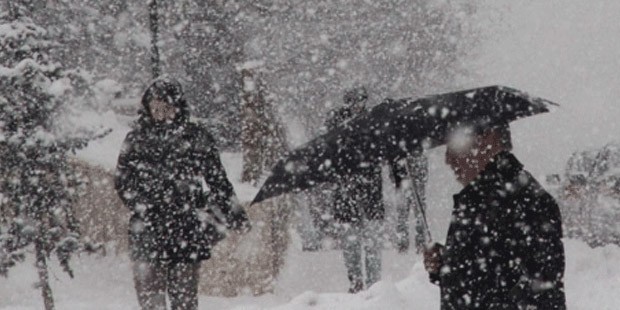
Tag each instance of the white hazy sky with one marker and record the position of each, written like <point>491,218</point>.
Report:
<point>567,51</point>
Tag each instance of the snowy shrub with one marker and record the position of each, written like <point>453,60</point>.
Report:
<point>37,184</point>
<point>589,196</point>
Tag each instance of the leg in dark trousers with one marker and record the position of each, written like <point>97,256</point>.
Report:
<point>150,282</point>
<point>352,252</point>
<point>183,286</point>
<point>372,234</point>
<point>402,227</point>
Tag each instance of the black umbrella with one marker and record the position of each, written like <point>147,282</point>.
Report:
<point>392,130</point>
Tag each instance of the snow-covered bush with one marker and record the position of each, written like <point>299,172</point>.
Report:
<point>589,196</point>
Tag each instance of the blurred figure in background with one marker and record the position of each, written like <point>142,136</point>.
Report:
<point>358,205</point>
<point>410,176</point>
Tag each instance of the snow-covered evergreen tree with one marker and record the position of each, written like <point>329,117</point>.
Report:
<point>36,184</point>
<point>108,38</point>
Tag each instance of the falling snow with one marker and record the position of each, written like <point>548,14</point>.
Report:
<point>263,80</point>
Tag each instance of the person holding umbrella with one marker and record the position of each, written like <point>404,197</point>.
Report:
<point>503,249</point>
<point>358,205</point>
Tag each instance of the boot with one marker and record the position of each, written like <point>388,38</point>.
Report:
<point>356,286</point>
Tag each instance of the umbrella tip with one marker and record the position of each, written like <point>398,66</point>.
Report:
<point>549,104</point>
<point>553,104</point>
<point>258,198</point>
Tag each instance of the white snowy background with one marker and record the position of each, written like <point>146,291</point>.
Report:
<point>564,51</point>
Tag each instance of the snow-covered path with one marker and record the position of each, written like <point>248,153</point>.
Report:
<point>308,281</point>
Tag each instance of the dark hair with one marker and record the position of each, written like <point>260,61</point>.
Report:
<point>502,129</point>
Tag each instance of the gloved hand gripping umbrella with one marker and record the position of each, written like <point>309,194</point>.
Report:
<point>392,130</point>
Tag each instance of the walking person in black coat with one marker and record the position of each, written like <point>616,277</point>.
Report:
<point>170,176</point>
<point>503,249</point>
<point>358,206</point>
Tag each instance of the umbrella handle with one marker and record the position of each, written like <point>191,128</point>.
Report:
<point>418,201</point>
<point>422,212</point>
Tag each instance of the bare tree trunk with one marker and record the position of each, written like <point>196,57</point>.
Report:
<point>154,17</point>
<point>46,290</point>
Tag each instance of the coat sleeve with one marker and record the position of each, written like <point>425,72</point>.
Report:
<point>434,278</point>
<point>125,176</point>
<point>219,192</point>
<point>540,245</point>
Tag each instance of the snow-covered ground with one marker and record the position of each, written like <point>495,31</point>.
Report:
<point>308,281</point>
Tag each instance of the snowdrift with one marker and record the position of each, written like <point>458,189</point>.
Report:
<point>592,282</point>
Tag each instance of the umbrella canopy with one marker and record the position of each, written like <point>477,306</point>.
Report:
<point>393,129</point>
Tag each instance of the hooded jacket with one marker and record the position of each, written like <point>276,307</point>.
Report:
<point>171,178</point>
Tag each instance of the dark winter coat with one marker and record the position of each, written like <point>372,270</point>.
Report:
<point>504,248</point>
<point>358,196</point>
<point>171,178</point>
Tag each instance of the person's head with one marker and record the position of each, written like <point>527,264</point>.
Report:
<point>163,101</point>
<point>470,149</point>
<point>355,98</point>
